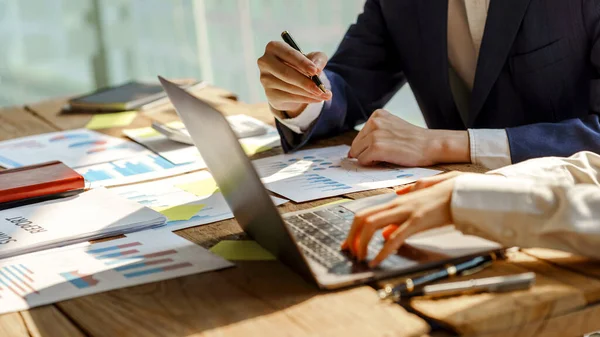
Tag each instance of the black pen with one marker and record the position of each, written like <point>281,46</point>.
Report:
<point>287,38</point>
<point>409,285</point>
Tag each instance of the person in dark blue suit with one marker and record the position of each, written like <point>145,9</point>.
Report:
<point>498,82</point>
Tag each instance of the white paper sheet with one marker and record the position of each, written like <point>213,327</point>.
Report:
<point>92,214</point>
<point>132,170</point>
<point>171,192</point>
<point>75,148</point>
<point>178,153</point>
<point>327,172</point>
<point>42,278</point>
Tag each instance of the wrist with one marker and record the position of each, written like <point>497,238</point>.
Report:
<point>449,146</point>
<point>292,113</point>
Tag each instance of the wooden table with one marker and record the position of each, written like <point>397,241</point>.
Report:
<point>268,299</point>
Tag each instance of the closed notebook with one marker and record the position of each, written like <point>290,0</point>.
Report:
<point>35,181</point>
<point>128,96</point>
<point>90,215</point>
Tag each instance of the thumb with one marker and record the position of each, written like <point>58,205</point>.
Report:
<point>319,59</point>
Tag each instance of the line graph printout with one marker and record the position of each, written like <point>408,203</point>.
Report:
<point>58,274</point>
<point>75,148</point>
<point>327,172</point>
<point>196,188</point>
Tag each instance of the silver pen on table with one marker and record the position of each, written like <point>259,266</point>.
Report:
<point>489,284</point>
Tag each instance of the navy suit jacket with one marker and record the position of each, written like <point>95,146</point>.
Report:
<point>538,73</point>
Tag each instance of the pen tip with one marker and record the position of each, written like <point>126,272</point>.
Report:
<point>322,87</point>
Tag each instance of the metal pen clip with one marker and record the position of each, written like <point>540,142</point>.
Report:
<point>477,269</point>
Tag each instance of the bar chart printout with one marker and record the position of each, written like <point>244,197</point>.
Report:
<point>132,170</point>
<point>37,279</point>
<point>327,172</point>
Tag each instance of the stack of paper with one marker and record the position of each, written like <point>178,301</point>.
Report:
<point>75,148</point>
<point>63,273</point>
<point>89,215</point>
<point>179,153</point>
<point>327,172</point>
<point>189,200</point>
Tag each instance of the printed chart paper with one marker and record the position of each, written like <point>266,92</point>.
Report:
<point>176,197</point>
<point>144,167</point>
<point>75,148</point>
<point>327,172</point>
<point>179,153</point>
<point>43,278</point>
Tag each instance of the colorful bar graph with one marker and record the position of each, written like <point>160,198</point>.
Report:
<point>145,256</point>
<point>127,168</point>
<point>117,254</point>
<point>158,270</point>
<point>111,248</point>
<point>17,277</point>
<point>142,264</point>
<point>80,280</point>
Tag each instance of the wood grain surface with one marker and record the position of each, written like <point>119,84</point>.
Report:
<point>266,298</point>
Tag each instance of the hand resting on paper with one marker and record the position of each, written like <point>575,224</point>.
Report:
<point>390,139</point>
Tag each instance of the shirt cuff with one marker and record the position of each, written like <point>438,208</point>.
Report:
<point>489,147</point>
<point>302,122</point>
<point>498,208</point>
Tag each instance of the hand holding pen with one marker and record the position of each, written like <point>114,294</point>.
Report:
<point>288,76</point>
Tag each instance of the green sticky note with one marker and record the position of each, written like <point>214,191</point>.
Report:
<point>144,133</point>
<point>118,119</point>
<point>201,187</point>
<point>252,149</point>
<point>181,212</point>
<point>241,251</point>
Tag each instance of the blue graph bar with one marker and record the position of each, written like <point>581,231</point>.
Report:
<point>97,175</point>
<point>160,161</point>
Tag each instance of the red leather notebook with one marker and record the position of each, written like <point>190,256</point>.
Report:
<point>38,181</point>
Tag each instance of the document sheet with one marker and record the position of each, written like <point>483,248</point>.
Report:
<point>194,196</point>
<point>75,148</point>
<point>179,153</point>
<point>135,169</point>
<point>314,174</point>
<point>89,215</point>
<point>47,277</point>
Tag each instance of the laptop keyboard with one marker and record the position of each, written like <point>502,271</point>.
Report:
<point>320,234</point>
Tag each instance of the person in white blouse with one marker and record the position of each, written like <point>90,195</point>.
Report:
<point>498,82</point>
<point>547,202</point>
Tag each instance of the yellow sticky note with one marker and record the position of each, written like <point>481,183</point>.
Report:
<point>176,125</point>
<point>252,149</point>
<point>201,187</point>
<point>143,133</point>
<point>181,212</point>
<point>341,201</point>
<point>241,251</point>
<point>118,119</point>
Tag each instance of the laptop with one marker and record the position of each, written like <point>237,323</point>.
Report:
<point>307,241</point>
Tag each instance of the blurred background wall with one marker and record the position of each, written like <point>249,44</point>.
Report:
<point>63,47</point>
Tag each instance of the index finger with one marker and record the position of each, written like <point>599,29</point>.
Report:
<point>290,55</point>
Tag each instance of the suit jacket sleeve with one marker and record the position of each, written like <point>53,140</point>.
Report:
<point>570,136</point>
<point>546,202</point>
<point>364,74</point>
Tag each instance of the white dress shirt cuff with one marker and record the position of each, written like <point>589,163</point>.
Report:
<point>302,122</point>
<point>489,147</point>
<point>497,207</point>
